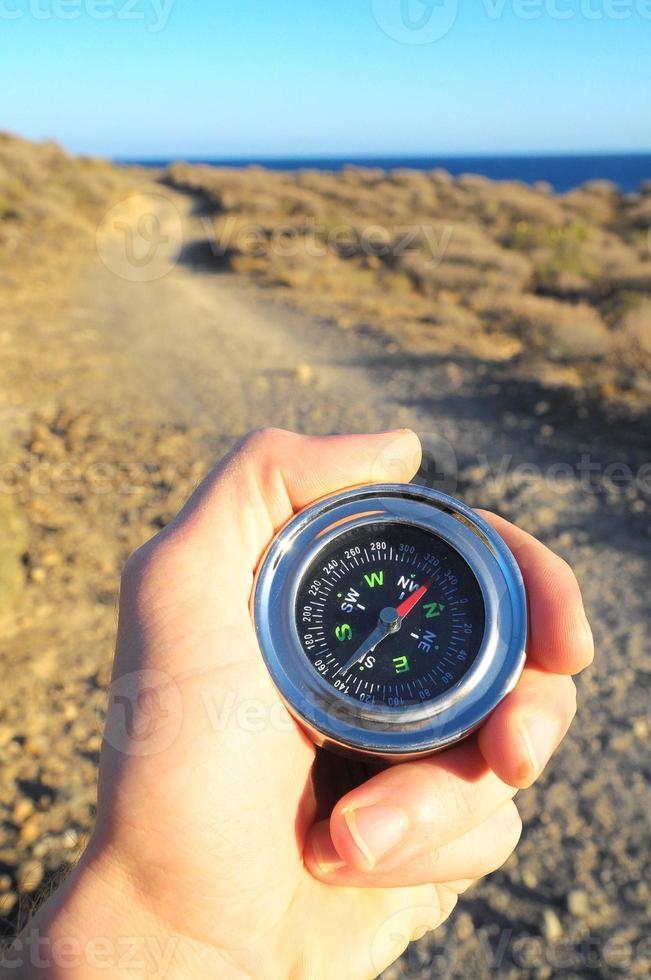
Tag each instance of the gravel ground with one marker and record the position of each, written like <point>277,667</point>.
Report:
<point>127,394</point>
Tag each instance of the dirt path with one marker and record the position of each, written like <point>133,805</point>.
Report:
<point>201,348</point>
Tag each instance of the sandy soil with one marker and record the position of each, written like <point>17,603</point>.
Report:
<point>119,400</point>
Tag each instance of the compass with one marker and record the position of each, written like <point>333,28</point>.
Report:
<point>392,619</point>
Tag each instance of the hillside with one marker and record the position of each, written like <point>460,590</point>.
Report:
<point>548,286</point>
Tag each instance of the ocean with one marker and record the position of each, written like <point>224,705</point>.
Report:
<point>563,172</point>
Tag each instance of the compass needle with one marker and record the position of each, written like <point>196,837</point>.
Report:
<point>389,621</point>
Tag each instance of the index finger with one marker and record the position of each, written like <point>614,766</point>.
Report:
<point>560,638</point>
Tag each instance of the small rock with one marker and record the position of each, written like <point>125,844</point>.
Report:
<point>31,829</point>
<point>37,745</point>
<point>578,903</point>
<point>464,926</point>
<point>23,808</point>
<point>552,928</point>
<point>51,557</point>
<point>30,876</point>
<point>303,373</point>
<point>70,711</point>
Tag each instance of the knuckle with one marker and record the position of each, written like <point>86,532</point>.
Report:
<point>457,795</point>
<point>136,565</point>
<point>433,856</point>
<point>260,439</point>
<point>147,564</point>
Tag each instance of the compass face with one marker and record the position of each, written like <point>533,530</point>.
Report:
<point>390,614</point>
<point>391,618</point>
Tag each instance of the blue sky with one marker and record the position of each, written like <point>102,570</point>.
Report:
<point>260,78</point>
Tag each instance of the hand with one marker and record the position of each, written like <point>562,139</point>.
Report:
<point>219,842</point>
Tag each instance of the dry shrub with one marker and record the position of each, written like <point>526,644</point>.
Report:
<point>633,333</point>
<point>638,213</point>
<point>563,331</point>
<point>445,312</point>
<point>464,258</point>
<point>472,246</point>
<point>595,202</point>
<point>570,257</point>
<point>429,277</point>
<point>45,193</point>
<point>501,204</point>
<point>635,278</point>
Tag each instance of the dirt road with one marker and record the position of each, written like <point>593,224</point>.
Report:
<point>198,349</point>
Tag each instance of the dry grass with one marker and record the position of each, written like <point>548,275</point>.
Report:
<point>50,206</point>
<point>50,203</point>
<point>501,270</point>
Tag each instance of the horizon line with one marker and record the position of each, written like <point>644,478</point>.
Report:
<point>475,155</point>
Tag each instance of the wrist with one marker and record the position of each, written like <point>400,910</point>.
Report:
<point>97,925</point>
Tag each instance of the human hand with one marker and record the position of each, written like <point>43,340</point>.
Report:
<point>219,840</point>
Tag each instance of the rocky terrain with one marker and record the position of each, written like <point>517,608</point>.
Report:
<point>122,382</point>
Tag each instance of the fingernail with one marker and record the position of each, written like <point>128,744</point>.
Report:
<point>540,734</point>
<point>325,855</point>
<point>375,830</point>
<point>589,639</point>
<point>403,431</point>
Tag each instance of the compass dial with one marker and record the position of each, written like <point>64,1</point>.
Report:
<point>390,614</point>
<point>391,618</point>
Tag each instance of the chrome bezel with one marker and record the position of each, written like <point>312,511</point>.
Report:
<point>339,720</point>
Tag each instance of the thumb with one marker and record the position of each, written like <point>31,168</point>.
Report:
<point>194,578</point>
<point>269,476</point>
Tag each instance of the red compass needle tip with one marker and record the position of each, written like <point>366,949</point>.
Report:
<point>408,604</point>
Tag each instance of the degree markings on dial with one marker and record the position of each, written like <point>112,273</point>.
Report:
<point>432,568</point>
